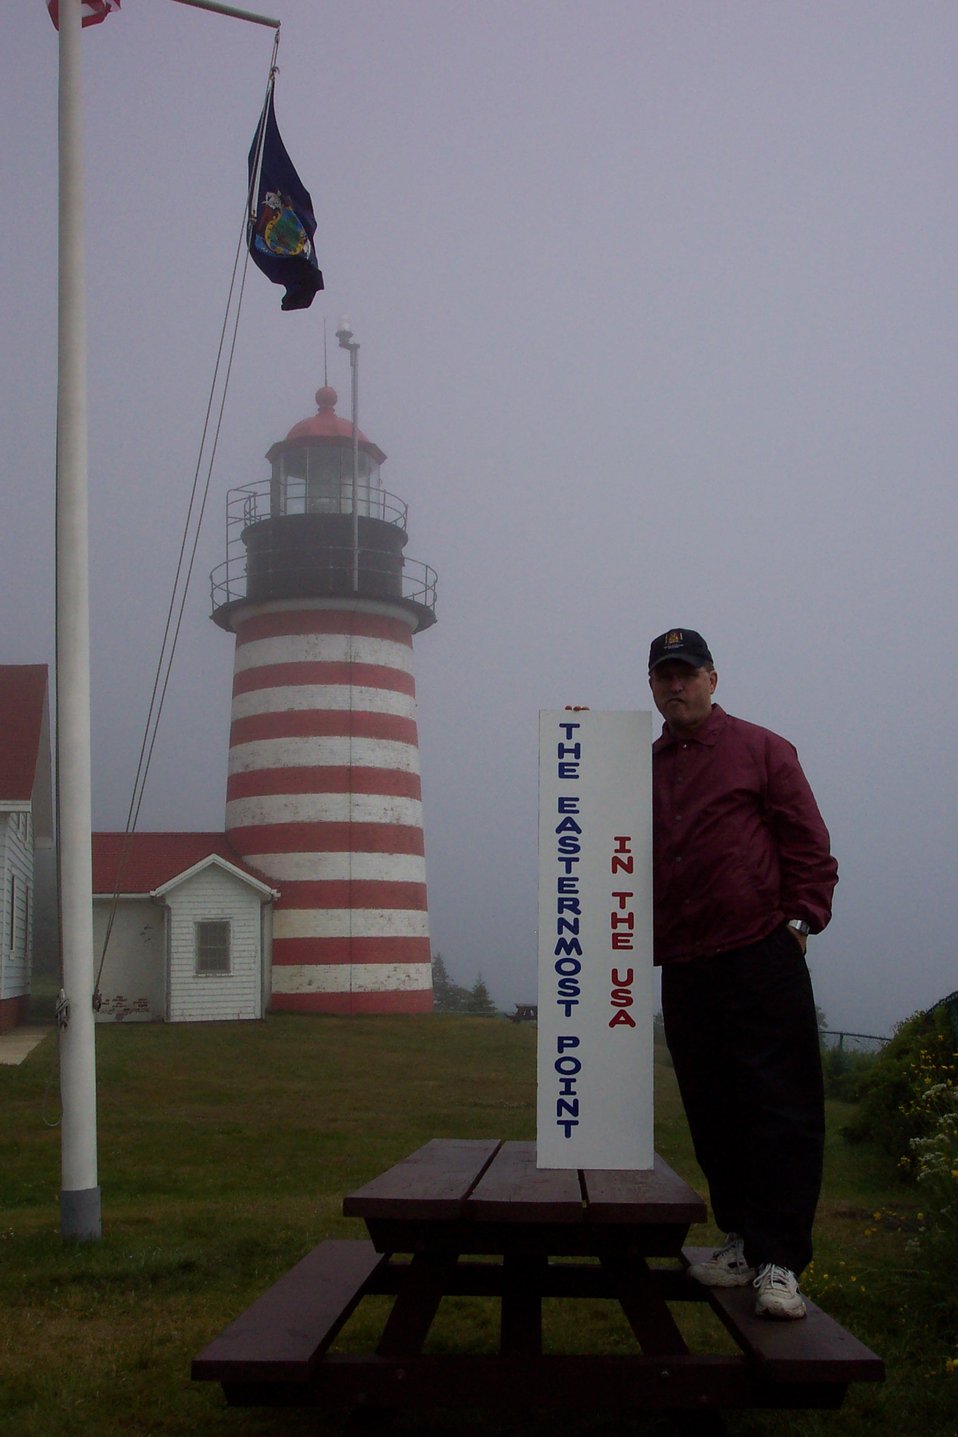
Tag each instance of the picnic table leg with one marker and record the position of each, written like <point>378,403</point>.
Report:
<point>521,1315</point>
<point>407,1326</point>
<point>652,1323</point>
<point>416,1304</point>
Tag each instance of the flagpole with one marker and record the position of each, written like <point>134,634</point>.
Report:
<point>260,142</point>
<point>231,11</point>
<point>80,1194</point>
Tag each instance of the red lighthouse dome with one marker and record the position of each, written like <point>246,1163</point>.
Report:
<point>326,424</point>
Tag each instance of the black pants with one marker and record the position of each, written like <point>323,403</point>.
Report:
<point>743,1034</point>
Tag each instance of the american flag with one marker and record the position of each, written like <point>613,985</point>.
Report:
<point>91,11</point>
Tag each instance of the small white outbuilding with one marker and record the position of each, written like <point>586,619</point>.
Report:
<point>26,829</point>
<point>182,929</point>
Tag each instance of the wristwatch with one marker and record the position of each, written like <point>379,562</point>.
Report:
<point>800,926</point>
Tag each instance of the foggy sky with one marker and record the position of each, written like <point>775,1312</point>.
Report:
<point>657,312</point>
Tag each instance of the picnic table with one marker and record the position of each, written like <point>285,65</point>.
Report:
<point>478,1218</point>
<point>525,1013</point>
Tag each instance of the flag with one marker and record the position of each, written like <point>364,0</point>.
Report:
<point>91,11</point>
<point>281,222</point>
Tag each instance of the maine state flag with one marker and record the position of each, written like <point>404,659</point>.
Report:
<point>281,222</point>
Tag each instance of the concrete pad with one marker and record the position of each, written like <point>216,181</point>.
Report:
<point>15,1045</point>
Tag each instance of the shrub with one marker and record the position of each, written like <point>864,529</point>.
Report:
<point>933,1160</point>
<point>846,1074</point>
<point>909,1110</point>
<point>891,1111</point>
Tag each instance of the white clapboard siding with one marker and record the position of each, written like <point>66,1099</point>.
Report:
<point>16,868</point>
<point>208,997</point>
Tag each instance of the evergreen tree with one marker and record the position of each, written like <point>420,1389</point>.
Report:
<point>478,1002</point>
<point>448,997</point>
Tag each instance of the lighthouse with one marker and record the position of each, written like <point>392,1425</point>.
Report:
<point>323,794</point>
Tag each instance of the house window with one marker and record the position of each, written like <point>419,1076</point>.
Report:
<point>213,945</point>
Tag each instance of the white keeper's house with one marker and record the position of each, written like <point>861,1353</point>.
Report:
<point>26,828</point>
<point>190,929</point>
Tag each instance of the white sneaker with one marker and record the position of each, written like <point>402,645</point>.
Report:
<point>726,1267</point>
<point>778,1294</point>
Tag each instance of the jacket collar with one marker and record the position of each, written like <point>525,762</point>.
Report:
<point>708,734</point>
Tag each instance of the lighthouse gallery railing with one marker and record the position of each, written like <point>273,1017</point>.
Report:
<point>297,565</point>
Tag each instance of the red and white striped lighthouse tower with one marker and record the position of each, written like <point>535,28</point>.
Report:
<point>324,793</point>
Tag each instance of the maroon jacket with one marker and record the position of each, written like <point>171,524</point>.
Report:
<point>738,842</point>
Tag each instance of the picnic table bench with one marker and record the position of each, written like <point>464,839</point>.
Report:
<point>454,1205</point>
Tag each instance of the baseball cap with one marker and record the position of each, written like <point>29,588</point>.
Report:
<point>685,645</point>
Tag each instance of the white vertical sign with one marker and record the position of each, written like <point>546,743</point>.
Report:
<point>595,940</point>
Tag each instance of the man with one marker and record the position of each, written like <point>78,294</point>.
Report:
<point>742,874</point>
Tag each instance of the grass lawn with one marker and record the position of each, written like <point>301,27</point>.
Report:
<point>225,1152</point>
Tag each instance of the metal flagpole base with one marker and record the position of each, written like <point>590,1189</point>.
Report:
<point>80,1214</point>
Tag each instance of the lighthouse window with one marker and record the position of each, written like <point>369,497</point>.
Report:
<point>290,497</point>
<point>315,480</point>
<point>213,945</point>
<point>325,481</point>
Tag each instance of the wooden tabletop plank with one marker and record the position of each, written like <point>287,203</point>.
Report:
<point>513,1189</point>
<point>430,1185</point>
<point>657,1195</point>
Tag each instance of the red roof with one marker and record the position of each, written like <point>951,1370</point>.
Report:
<point>23,691</point>
<point>152,859</point>
<point>326,424</point>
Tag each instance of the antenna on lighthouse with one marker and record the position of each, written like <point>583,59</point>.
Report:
<point>345,336</point>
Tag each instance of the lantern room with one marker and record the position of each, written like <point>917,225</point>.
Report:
<point>313,466</point>
<point>321,526</point>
